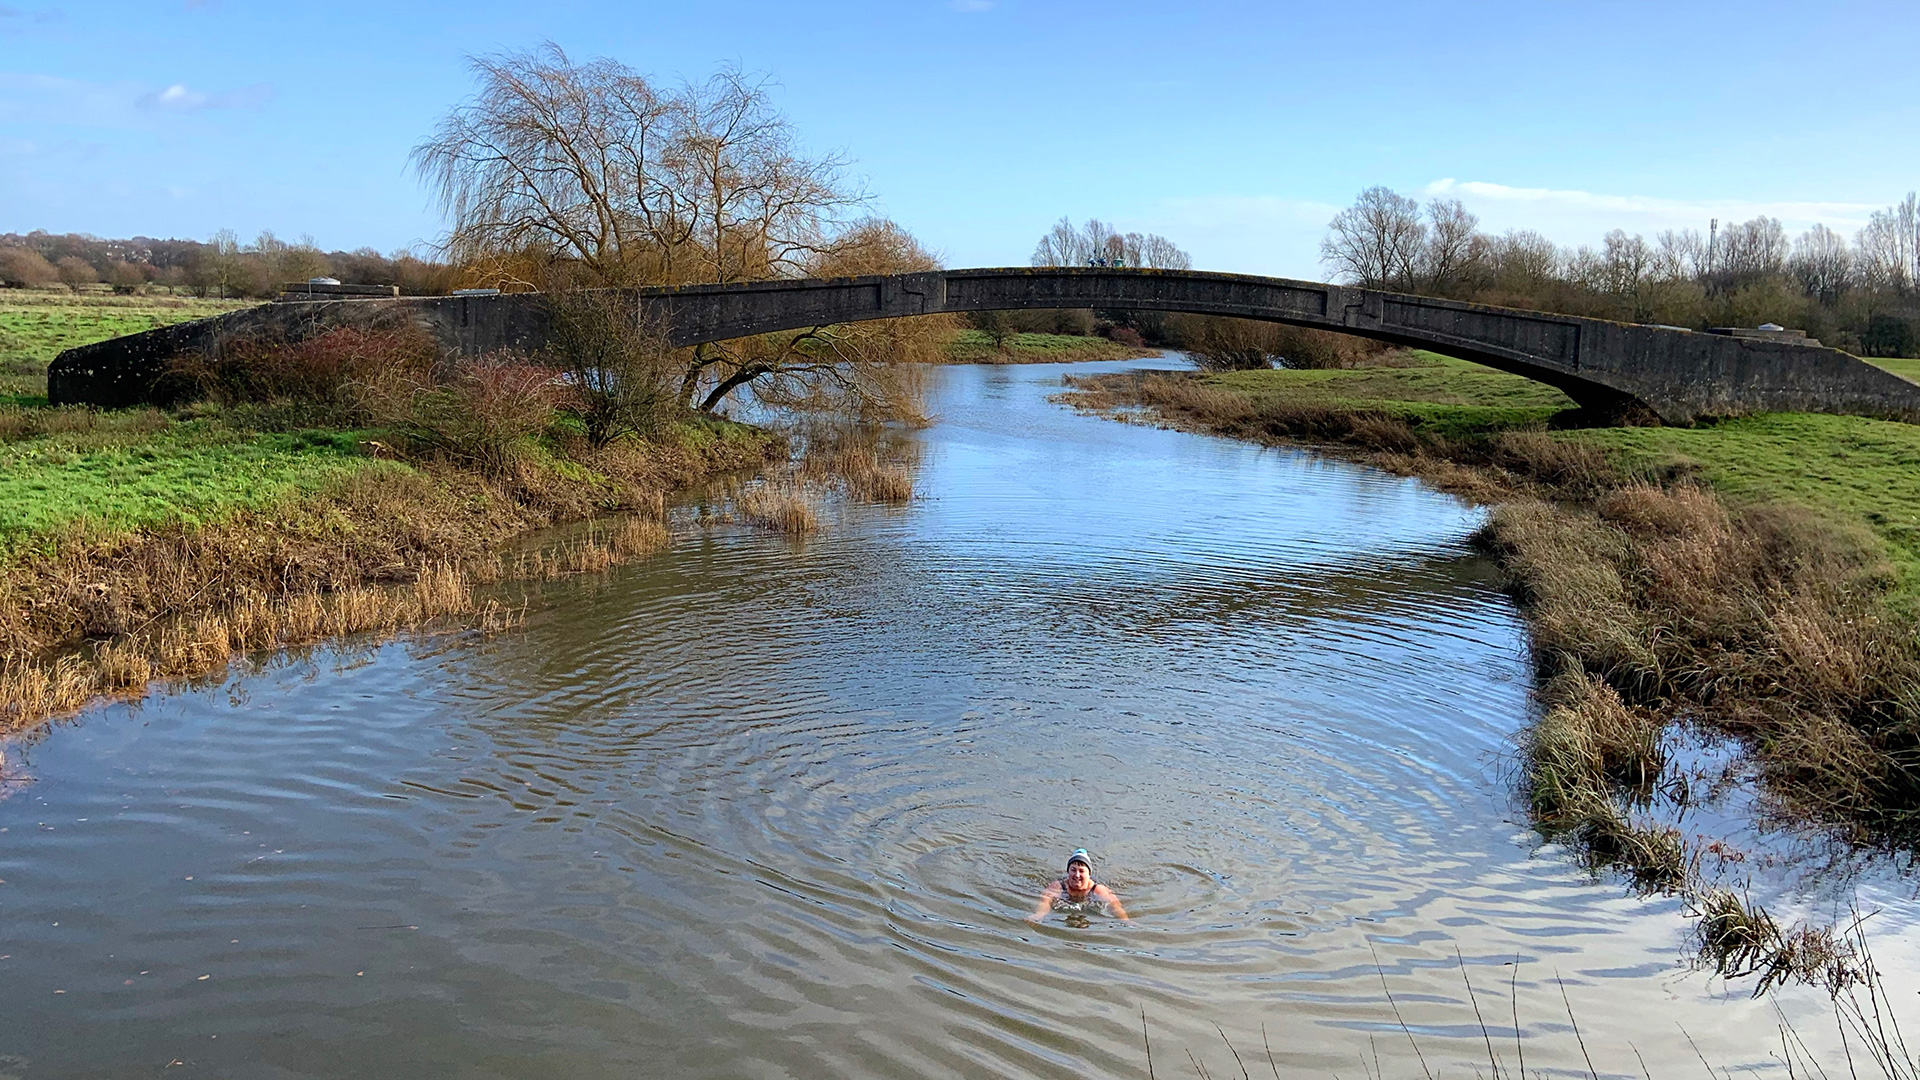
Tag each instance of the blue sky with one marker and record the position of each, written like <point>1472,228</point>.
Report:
<point>1237,129</point>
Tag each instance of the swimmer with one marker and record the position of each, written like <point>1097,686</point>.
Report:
<point>1078,887</point>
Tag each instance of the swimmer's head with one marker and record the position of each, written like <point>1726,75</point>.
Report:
<point>1079,871</point>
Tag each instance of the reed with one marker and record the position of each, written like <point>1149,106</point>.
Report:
<point>204,642</point>
<point>849,457</point>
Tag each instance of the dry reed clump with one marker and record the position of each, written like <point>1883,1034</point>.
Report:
<point>851,458</point>
<point>1765,624</point>
<point>783,508</point>
<point>886,484</point>
<point>1738,938</point>
<point>1587,745</point>
<point>634,537</point>
<point>205,642</point>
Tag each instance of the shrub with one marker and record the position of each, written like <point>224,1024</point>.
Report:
<point>479,417</point>
<point>325,370</point>
<point>1889,335</point>
<point>25,267</point>
<point>1223,344</point>
<point>75,271</point>
<point>624,376</point>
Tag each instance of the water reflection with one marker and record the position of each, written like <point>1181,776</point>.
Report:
<point>757,808</point>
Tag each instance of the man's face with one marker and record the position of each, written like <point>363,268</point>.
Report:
<point>1079,878</point>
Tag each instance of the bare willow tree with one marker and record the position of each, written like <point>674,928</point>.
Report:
<point>591,165</point>
<point>559,175</point>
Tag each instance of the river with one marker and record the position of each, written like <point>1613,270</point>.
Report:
<point>761,808</point>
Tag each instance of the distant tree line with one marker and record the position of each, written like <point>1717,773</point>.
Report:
<point>221,267</point>
<point>1861,295</point>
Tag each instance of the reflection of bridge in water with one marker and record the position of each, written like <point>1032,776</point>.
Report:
<point>1609,367</point>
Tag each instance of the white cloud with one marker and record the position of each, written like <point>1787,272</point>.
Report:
<point>1574,217</point>
<point>176,96</point>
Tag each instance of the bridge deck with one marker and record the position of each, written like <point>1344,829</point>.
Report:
<point>1678,374</point>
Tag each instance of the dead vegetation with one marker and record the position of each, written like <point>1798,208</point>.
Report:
<point>852,457</point>
<point>781,506</point>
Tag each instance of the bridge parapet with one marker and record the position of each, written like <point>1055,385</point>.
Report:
<point>1606,366</point>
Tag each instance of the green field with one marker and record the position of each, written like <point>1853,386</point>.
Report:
<point>36,324</point>
<point>1904,367</point>
<point>975,347</point>
<point>1434,393</point>
<point>129,470</point>
<point>1848,468</point>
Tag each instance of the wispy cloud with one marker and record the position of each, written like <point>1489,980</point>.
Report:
<point>179,98</point>
<point>1584,215</point>
<point>47,99</point>
<point>15,20</point>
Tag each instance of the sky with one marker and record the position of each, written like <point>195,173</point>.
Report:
<point>1237,129</point>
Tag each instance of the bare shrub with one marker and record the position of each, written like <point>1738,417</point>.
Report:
<point>27,268</point>
<point>624,377</point>
<point>75,272</point>
<point>327,369</point>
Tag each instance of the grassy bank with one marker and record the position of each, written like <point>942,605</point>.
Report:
<point>144,545</point>
<point>37,324</point>
<point>975,347</point>
<point>1850,471</point>
<point>1756,578</point>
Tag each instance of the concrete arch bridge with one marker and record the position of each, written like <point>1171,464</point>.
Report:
<point>1609,367</point>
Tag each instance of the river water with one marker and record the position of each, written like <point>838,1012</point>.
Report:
<point>759,808</point>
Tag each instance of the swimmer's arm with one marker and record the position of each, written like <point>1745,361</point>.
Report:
<point>1113,902</point>
<point>1047,898</point>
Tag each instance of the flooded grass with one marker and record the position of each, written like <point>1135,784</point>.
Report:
<point>205,642</point>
